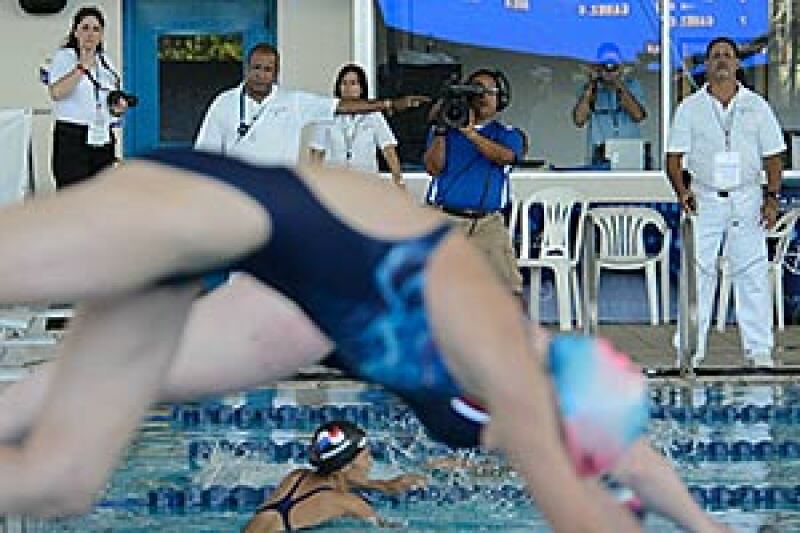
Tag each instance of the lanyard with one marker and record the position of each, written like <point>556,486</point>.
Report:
<point>349,131</point>
<point>725,125</point>
<point>244,128</point>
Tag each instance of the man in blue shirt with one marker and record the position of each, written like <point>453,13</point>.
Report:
<point>611,104</point>
<point>470,167</point>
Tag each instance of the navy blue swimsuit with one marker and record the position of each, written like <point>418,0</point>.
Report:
<point>366,294</point>
<point>288,502</point>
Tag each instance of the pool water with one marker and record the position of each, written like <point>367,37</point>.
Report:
<point>207,466</point>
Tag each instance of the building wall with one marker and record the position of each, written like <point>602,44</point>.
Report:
<point>314,37</point>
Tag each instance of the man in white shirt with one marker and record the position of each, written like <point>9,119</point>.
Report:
<point>725,133</point>
<point>262,123</point>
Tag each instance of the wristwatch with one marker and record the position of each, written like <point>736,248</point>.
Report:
<point>775,195</point>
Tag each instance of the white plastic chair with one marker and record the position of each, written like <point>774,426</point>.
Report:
<point>782,234</point>
<point>559,250</point>
<point>622,247</point>
<point>513,217</point>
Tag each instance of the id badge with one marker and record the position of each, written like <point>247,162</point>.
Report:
<point>99,133</point>
<point>727,170</point>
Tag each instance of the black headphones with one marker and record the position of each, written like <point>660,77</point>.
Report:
<point>503,85</point>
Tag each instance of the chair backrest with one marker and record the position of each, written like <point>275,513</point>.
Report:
<point>514,217</point>
<point>783,231</point>
<point>15,154</point>
<point>622,229</point>
<point>558,205</point>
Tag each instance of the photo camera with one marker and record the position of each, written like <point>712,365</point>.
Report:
<point>115,96</point>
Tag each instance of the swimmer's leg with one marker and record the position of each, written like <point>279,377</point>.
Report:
<point>111,367</point>
<point>486,344</point>
<point>240,336</point>
<point>124,230</point>
<point>654,480</point>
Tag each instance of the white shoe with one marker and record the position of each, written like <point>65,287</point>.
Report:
<point>761,360</point>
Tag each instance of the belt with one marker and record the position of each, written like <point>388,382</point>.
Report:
<point>473,214</point>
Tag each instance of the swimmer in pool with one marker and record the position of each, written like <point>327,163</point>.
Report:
<point>308,497</point>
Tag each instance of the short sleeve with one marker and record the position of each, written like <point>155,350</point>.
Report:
<point>210,136</point>
<point>513,140</point>
<point>383,133</point>
<point>680,138</point>
<point>770,135</point>
<point>317,138</point>
<point>63,63</point>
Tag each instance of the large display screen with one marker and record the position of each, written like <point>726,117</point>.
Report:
<point>575,28</point>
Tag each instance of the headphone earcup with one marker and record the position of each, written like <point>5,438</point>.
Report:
<point>504,90</point>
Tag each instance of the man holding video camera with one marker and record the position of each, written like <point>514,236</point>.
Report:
<point>469,156</point>
<point>610,103</point>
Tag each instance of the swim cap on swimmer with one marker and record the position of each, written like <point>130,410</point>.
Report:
<point>334,445</point>
<point>602,397</point>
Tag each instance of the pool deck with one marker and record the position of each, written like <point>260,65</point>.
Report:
<point>650,346</point>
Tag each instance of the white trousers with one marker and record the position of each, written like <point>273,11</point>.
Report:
<point>736,221</point>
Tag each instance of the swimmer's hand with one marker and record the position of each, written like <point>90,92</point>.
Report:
<point>406,482</point>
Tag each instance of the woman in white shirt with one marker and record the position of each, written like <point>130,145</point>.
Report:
<point>80,80</point>
<point>352,140</point>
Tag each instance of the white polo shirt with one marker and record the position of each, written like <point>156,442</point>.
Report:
<point>698,130</point>
<point>355,135</point>
<point>79,106</point>
<point>276,124</point>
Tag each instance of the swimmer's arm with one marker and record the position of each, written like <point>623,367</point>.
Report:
<point>397,484</point>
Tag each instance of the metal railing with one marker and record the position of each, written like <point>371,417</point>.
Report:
<point>687,298</point>
<point>687,291</point>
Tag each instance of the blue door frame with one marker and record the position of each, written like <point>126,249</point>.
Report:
<point>144,21</point>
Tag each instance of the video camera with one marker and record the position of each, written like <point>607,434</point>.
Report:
<point>115,96</point>
<point>455,107</point>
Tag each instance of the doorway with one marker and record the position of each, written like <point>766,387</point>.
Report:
<point>179,54</point>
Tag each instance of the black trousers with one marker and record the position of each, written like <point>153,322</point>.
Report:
<point>73,159</point>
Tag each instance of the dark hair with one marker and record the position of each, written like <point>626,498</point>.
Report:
<point>500,80</point>
<point>334,445</point>
<point>360,74</point>
<point>86,11</point>
<point>264,48</point>
<point>726,40</point>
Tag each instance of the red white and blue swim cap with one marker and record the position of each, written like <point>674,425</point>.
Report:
<point>334,445</point>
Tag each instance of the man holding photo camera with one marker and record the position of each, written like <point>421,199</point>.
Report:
<point>611,103</point>
<point>469,156</point>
